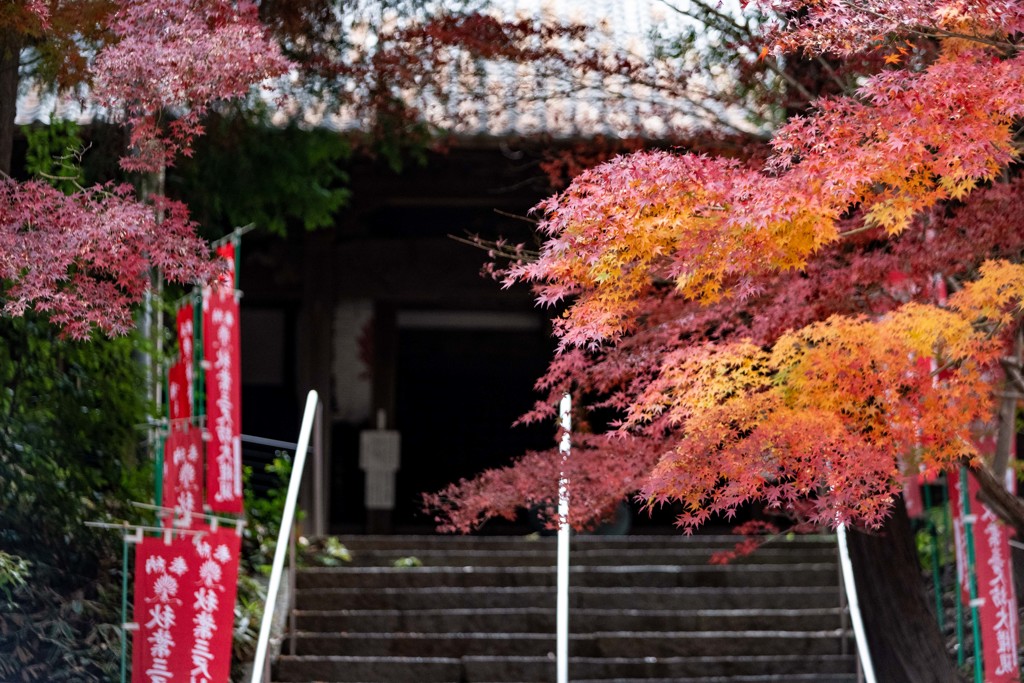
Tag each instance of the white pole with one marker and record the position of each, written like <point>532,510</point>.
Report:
<point>562,600</point>
<point>851,595</point>
<point>287,520</point>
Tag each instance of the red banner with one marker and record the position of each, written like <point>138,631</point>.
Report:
<point>998,610</point>
<point>163,610</point>
<point>186,348</point>
<point>912,496</point>
<point>186,332</point>
<point>221,347</point>
<point>183,469</point>
<point>212,596</point>
<point>179,403</point>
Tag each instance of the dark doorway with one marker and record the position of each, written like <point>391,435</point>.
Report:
<point>458,392</point>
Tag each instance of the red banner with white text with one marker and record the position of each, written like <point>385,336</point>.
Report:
<point>998,609</point>
<point>212,596</point>
<point>183,466</point>
<point>186,349</point>
<point>179,404</point>
<point>164,573</point>
<point>222,352</point>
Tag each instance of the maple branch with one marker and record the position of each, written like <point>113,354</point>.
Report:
<point>804,92</point>
<point>743,33</point>
<point>1013,372</point>
<point>499,250</point>
<point>942,33</point>
<point>832,74</point>
<point>939,32</point>
<point>62,178</point>
<point>856,231</point>
<point>993,493</point>
<point>728,22</point>
<point>509,214</point>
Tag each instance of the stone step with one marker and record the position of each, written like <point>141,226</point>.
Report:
<point>657,644</point>
<point>546,557</point>
<point>784,678</point>
<point>505,669</point>
<point>641,576</point>
<point>542,620</point>
<point>344,669</point>
<point>500,669</point>
<point>647,609</point>
<point>410,545</point>
<point>755,678</point>
<point>621,597</point>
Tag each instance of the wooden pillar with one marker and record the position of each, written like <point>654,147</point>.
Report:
<point>315,345</point>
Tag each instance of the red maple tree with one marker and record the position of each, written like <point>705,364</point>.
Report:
<point>760,329</point>
<point>159,66</point>
<point>84,259</point>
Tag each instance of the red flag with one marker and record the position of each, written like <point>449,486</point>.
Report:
<point>186,332</point>
<point>163,610</point>
<point>186,346</point>
<point>998,610</point>
<point>221,347</point>
<point>179,404</point>
<point>212,596</point>
<point>912,496</point>
<point>183,468</point>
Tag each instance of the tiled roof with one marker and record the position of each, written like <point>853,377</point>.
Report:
<point>502,99</point>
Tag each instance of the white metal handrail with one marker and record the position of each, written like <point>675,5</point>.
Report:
<point>283,536</point>
<point>859,633</point>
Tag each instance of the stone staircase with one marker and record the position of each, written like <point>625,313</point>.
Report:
<point>643,609</point>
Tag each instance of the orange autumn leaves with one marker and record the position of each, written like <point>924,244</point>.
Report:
<point>909,140</point>
<point>822,414</point>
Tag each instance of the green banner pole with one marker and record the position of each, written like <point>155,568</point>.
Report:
<point>972,575</point>
<point>956,592</point>
<point>124,608</point>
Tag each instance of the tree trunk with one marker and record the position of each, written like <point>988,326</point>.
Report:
<point>902,630</point>
<point>10,53</point>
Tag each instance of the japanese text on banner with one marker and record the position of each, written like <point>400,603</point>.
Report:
<point>221,344</point>
<point>182,475</point>
<point>163,573</point>
<point>213,601</point>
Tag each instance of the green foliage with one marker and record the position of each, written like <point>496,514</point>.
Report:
<point>245,171</point>
<point>263,515</point>
<point>934,540</point>
<point>407,562</point>
<point>333,552</point>
<point>263,522</point>
<point>54,153</point>
<point>68,454</point>
<point>252,593</point>
<point>13,572</point>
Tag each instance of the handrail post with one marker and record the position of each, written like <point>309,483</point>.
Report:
<point>292,565</point>
<point>562,572</point>
<point>844,615</point>
<point>260,662</point>
<point>864,654</point>
<point>319,521</point>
